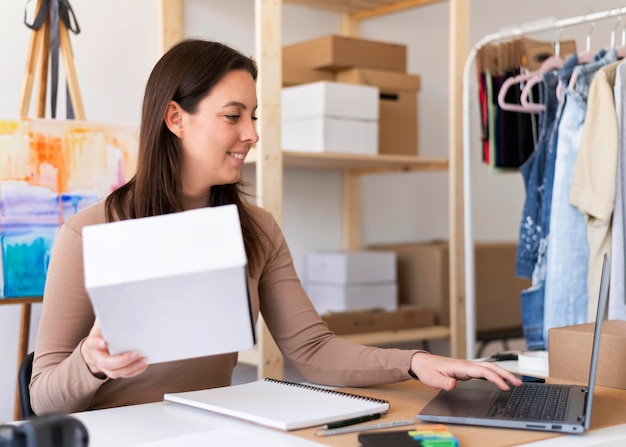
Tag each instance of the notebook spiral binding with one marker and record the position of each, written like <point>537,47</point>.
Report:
<point>328,391</point>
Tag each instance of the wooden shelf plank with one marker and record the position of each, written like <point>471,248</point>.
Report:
<point>364,9</point>
<point>362,164</point>
<point>400,335</point>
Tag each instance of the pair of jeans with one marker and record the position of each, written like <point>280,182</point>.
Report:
<point>531,249</point>
<point>567,251</point>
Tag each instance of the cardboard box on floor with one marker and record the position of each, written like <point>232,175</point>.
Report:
<point>374,320</point>
<point>423,280</point>
<point>397,133</point>
<point>332,53</point>
<point>569,353</point>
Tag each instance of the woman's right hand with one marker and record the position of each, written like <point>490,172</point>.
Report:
<point>95,352</point>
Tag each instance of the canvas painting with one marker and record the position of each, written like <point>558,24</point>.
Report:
<point>50,170</point>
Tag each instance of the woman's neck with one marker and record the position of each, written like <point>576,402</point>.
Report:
<point>193,201</point>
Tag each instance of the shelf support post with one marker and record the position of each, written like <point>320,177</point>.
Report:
<point>459,48</point>
<point>269,166</point>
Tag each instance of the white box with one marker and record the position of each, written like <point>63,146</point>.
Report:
<point>330,99</point>
<point>172,286</point>
<point>330,135</point>
<point>330,116</point>
<point>350,267</point>
<point>342,297</point>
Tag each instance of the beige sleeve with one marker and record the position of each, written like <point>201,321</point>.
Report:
<point>304,338</point>
<point>595,172</point>
<point>61,380</point>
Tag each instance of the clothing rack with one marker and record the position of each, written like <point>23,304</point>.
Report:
<point>504,34</point>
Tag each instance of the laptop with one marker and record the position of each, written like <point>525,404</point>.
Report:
<point>172,286</point>
<point>480,402</point>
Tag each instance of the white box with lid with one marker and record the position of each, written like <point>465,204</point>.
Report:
<point>351,280</point>
<point>330,116</point>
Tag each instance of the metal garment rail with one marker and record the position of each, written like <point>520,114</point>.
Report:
<point>504,34</point>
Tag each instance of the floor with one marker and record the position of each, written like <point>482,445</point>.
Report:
<point>247,373</point>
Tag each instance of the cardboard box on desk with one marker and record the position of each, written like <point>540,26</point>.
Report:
<point>569,353</point>
<point>424,280</point>
<point>330,117</point>
<point>332,53</point>
<point>373,320</point>
<point>397,123</point>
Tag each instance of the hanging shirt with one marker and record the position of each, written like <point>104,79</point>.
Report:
<point>594,176</point>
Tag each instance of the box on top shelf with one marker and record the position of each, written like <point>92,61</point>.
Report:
<point>321,134</point>
<point>334,53</point>
<point>353,266</point>
<point>569,353</point>
<point>330,99</point>
<point>397,124</point>
<point>330,117</point>
<point>304,75</point>
<point>386,81</point>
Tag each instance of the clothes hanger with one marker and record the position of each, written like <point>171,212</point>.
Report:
<point>532,78</point>
<point>621,50</point>
<point>549,64</point>
<point>586,56</point>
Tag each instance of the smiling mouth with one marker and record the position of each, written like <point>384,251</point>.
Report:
<point>237,155</point>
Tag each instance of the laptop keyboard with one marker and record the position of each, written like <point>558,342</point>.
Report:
<point>532,401</point>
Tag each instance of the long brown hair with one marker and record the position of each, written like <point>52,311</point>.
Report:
<point>185,74</point>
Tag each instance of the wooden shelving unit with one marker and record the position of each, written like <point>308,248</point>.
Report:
<point>270,160</point>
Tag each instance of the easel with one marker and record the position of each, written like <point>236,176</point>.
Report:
<point>37,67</point>
<point>39,50</point>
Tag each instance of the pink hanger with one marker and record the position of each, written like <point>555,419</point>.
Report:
<point>532,78</point>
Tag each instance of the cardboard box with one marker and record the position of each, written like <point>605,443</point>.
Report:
<point>345,267</point>
<point>304,75</point>
<point>423,280</point>
<point>332,53</point>
<point>569,353</point>
<point>397,123</point>
<point>328,297</point>
<point>374,320</point>
<point>386,81</point>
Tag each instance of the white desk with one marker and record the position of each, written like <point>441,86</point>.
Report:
<point>163,424</point>
<point>166,424</point>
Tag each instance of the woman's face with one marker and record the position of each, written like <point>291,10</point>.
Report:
<point>216,139</point>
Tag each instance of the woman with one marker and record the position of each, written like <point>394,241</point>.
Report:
<point>198,125</point>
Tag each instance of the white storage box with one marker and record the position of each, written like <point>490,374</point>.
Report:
<point>331,99</point>
<point>348,267</point>
<point>328,297</point>
<point>330,117</point>
<point>331,135</point>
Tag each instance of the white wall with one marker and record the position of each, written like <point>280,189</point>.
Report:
<point>117,48</point>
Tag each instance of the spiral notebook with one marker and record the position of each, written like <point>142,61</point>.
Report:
<point>280,404</point>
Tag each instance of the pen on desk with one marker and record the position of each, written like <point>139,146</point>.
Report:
<point>342,430</point>
<point>347,422</point>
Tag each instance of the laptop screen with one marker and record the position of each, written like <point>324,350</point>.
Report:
<point>595,351</point>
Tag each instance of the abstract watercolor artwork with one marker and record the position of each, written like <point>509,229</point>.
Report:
<point>50,170</point>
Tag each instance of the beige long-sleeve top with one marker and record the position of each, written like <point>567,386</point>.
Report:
<point>62,382</point>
